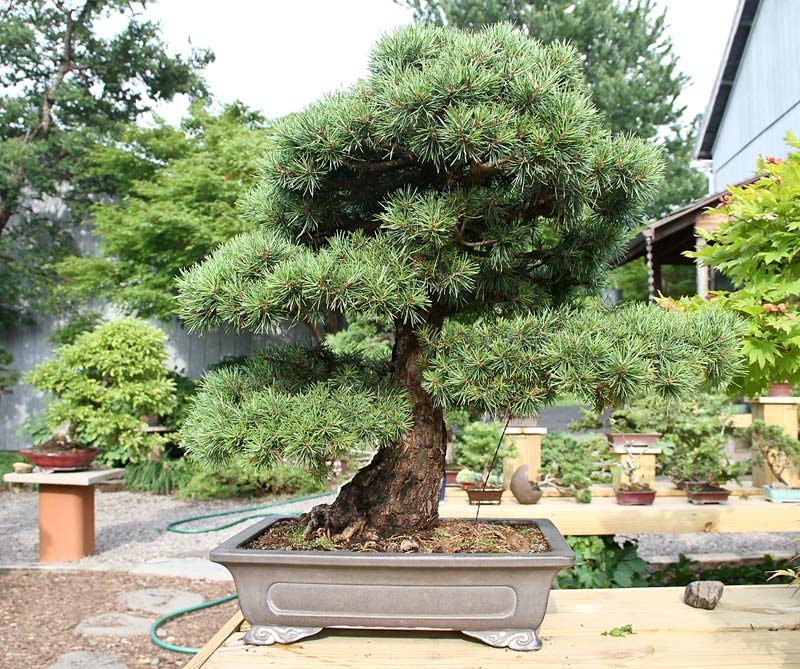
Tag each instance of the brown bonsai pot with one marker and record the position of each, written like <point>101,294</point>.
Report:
<point>635,497</point>
<point>479,495</point>
<point>780,390</point>
<point>633,438</point>
<point>62,462</point>
<point>707,495</point>
<point>499,599</point>
<point>450,476</point>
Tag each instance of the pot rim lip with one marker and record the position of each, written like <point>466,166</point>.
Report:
<point>230,552</point>
<point>49,454</point>
<point>711,490</point>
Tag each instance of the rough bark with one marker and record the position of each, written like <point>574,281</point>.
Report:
<point>399,489</point>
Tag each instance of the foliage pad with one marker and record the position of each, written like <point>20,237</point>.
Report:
<point>465,191</point>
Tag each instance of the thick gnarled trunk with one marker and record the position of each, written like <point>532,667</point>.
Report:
<point>399,489</point>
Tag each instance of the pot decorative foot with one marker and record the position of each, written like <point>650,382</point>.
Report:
<point>266,635</point>
<point>513,639</point>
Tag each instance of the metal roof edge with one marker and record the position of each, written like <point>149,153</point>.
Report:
<point>717,104</point>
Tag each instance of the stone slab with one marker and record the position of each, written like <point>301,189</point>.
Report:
<point>113,624</point>
<point>85,478</point>
<point>192,567</point>
<point>159,600</point>
<point>86,659</point>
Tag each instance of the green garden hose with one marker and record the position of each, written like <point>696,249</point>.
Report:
<point>172,527</point>
<point>180,612</point>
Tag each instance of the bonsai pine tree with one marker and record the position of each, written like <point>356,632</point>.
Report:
<point>467,191</point>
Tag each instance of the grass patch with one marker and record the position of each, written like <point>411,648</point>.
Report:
<point>8,458</point>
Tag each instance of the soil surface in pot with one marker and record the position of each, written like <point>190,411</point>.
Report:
<point>449,536</point>
<point>59,446</point>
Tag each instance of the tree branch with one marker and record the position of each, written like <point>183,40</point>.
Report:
<point>312,328</point>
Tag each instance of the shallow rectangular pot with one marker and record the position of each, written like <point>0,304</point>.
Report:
<point>708,496</point>
<point>781,494</point>
<point>498,598</point>
<point>635,497</point>
<point>480,495</point>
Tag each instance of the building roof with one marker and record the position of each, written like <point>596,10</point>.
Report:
<point>674,234</point>
<point>726,76</point>
<point>677,227</point>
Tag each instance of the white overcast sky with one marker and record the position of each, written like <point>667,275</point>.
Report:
<point>279,56</point>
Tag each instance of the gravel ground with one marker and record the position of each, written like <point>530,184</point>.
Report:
<point>39,611</point>
<point>131,529</point>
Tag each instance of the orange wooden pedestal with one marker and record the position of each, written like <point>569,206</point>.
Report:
<point>66,522</point>
<point>66,510</point>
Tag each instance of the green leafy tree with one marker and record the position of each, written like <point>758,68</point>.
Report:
<point>178,190</point>
<point>103,382</point>
<point>572,464</point>
<point>628,61</point>
<point>758,249</point>
<point>475,445</point>
<point>64,87</point>
<point>772,448</point>
<point>464,191</point>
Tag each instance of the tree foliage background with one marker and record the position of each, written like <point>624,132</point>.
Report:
<point>628,61</point>
<point>177,190</point>
<point>64,86</point>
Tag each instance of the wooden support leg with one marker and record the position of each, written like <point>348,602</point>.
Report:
<point>66,522</point>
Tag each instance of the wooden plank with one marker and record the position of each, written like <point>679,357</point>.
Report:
<point>84,478</point>
<point>667,515</point>
<point>231,627</point>
<point>663,489</point>
<point>667,634</point>
<point>742,608</point>
<point>748,650</point>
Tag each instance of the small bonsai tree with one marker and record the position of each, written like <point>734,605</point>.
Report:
<point>630,468</point>
<point>572,465</point>
<point>758,249</point>
<point>697,460</point>
<point>773,448</point>
<point>103,382</point>
<point>466,191</point>
<point>474,447</point>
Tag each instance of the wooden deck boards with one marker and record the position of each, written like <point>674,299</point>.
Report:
<point>753,626</point>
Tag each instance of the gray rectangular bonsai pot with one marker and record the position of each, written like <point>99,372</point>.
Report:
<point>498,598</point>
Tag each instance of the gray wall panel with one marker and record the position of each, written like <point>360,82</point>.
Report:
<point>765,100</point>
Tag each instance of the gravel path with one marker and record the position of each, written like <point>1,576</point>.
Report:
<point>131,529</point>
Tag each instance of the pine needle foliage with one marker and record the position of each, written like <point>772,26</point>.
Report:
<point>465,191</point>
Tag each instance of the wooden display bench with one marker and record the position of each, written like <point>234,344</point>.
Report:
<point>752,626</point>
<point>66,511</point>
<point>667,515</point>
<point>663,488</point>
